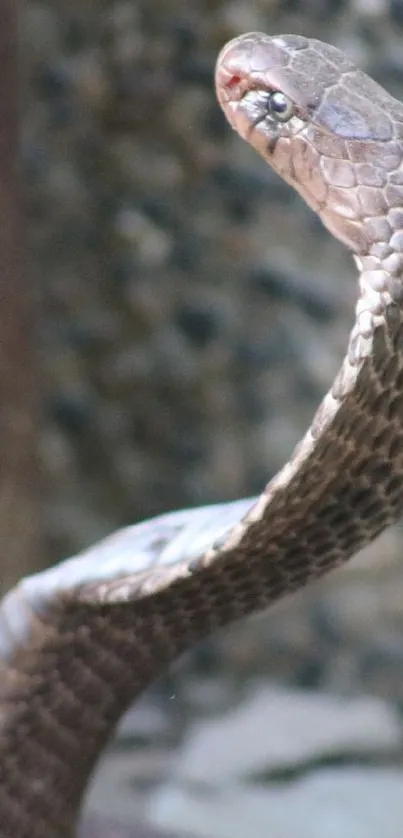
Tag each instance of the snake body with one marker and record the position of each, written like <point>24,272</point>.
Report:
<point>80,641</point>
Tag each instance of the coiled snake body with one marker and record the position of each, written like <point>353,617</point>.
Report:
<point>80,641</point>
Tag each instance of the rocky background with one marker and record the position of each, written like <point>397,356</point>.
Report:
<point>192,313</point>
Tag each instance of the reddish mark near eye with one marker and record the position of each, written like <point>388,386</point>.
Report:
<point>233,81</point>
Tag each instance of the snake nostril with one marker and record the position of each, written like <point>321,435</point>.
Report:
<point>228,76</point>
<point>233,81</point>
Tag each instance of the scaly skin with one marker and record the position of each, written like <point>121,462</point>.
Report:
<point>78,643</point>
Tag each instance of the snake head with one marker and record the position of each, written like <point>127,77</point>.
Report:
<point>323,125</point>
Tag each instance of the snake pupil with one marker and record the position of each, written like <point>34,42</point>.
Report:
<point>280,106</point>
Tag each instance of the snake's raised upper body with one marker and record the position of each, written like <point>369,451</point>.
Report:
<point>80,641</point>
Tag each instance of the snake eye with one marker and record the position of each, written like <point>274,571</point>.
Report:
<point>280,106</point>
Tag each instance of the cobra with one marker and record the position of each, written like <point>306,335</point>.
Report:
<point>80,641</point>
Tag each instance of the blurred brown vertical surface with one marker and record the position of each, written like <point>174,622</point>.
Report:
<point>19,490</point>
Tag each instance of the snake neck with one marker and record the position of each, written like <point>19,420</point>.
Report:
<point>342,486</point>
<point>62,692</point>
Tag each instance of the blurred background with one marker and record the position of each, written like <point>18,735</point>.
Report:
<point>178,316</point>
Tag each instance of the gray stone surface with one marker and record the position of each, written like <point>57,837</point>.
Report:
<point>276,729</point>
<point>332,803</point>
